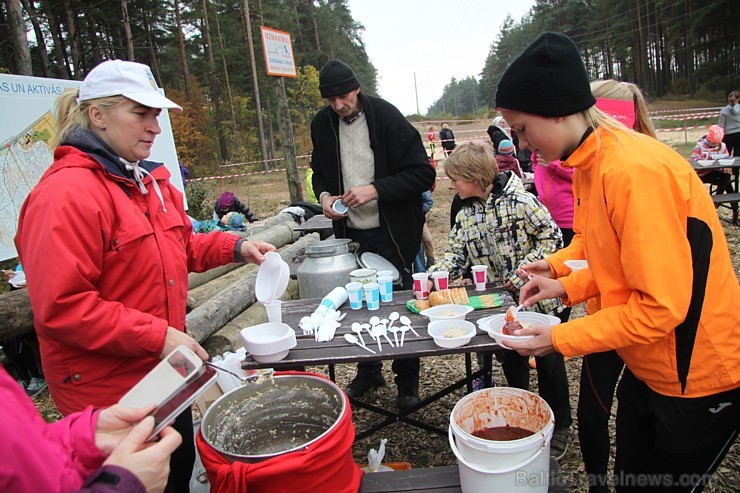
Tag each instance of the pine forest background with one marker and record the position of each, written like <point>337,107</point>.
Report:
<point>198,51</point>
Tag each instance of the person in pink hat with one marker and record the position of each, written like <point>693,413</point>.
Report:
<point>107,246</point>
<point>711,147</point>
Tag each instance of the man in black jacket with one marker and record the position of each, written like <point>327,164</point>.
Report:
<point>367,154</point>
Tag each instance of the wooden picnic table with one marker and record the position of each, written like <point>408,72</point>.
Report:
<point>309,352</point>
<point>726,199</point>
<point>318,223</point>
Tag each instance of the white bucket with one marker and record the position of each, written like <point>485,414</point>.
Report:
<point>512,465</point>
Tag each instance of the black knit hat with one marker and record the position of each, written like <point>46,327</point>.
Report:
<point>547,79</point>
<point>337,78</point>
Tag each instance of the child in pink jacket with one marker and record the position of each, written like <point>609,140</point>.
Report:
<point>554,185</point>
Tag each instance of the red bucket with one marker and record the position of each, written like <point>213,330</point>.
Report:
<point>291,434</point>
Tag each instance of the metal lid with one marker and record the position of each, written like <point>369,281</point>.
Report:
<point>370,260</point>
<point>327,248</point>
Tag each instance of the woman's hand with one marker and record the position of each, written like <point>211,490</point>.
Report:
<point>176,338</point>
<point>148,461</point>
<point>114,423</point>
<point>538,289</point>
<point>538,268</point>
<point>254,251</point>
<point>539,346</point>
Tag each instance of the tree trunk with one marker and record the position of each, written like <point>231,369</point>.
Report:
<point>286,129</point>
<point>17,38</point>
<point>74,42</point>
<point>129,38</point>
<point>16,314</point>
<point>63,68</point>
<point>312,10</point>
<point>183,56</point>
<point>200,295</point>
<point>40,41</point>
<point>257,102</point>
<point>205,320</point>
<point>152,49</point>
<point>228,84</point>
<point>215,89</point>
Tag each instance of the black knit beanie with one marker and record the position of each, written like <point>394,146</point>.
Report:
<point>547,79</point>
<point>337,78</point>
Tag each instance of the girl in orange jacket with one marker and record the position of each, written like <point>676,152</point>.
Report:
<point>658,261</point>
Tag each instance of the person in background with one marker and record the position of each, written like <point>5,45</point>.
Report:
<point>369,156</point>
<point>729,120</point>
<point>109,292</point>
<point>497,131</point>
<point>425,257</point>
<point>92,451</point>
<point>228,202</point>
<point>658,261</point>
<point>710,146</point>
<point>447,139</point>
<point>22,351</point>
<point>503,226</point>
<point>309,186</point>
<point>554,185</point>
<point>431,139</point>
<point>183,174</point>
<point>505,159</point>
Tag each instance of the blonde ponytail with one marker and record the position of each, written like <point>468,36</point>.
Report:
<point>70,113</point>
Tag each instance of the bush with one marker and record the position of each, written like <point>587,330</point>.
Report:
<point>199,206</point>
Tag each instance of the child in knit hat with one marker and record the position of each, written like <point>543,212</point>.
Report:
<point>711,147</point>
<point>505,158</point>
<point>657,258</point>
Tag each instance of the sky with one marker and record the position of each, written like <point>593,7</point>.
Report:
<point>434,39</point>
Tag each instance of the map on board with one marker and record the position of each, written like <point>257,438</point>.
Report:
<point>27,129</point>
<point>23,159</point>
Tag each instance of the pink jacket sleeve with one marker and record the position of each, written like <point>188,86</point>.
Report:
<point>38,456</point>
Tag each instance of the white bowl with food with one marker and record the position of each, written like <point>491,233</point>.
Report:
<point>268,342</point>
<point>575,265</point>
<point>705,162</point>
<point>446,312</point>
<point>726,161</point>
<point>495,326</point>
<point>451,333</point>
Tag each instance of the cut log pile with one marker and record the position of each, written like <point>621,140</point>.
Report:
<point>221,301</point>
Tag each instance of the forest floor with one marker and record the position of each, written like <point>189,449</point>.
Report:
<point>266,195</point>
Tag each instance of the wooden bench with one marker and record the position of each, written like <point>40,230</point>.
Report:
<point>728,198</point>
<point>437,480</point>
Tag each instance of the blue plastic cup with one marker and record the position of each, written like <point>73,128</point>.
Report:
<point>372,295</point>
<point>354,290</point>
<point>386,288</point>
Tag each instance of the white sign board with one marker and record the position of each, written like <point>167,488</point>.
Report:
<point>26,132</point>
<point>278,49</point>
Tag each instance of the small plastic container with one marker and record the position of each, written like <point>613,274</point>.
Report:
<point>268,342</point>
<point>438,329</point>
<point>446,312</point>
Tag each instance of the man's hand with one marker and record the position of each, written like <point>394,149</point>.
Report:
<point>326,202</point>
<point>254,252</point>
<point>176,338</point>
<point>360,195</point>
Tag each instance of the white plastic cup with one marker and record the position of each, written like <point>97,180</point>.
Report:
<point>339,207</point>
<point>274,311</point>
<point>386,288</point>
<point>421,290</point>
<point>441,280</point>
<point>354,291</point>
<point>480,275</point>
<point>372,295</point>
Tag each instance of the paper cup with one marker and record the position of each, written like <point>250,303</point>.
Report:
<point>339,207</point>
<point>354,290</point>
<point>372,295</point>
<point>274,311</point>
<point>441,280</point>
<point>480,275</point>
<point>386,288</point>
<point>421,290</point>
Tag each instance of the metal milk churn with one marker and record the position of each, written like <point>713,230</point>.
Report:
<point>327,265</point>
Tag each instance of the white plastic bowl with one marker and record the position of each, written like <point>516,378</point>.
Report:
<point>18,280</point>
<point>495,324</point>
<point>438,328</point>
<point>268,342</point>
<point>705,162</point>
<point>727,162</point>
<point>272,278</point>
<point>575,265</point>
<point>446,312</point>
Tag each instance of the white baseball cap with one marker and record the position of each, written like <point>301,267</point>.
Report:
<point>121,78</point>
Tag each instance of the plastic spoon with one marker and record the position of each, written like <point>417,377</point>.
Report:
<point>384,332</point>
<point>405,321</point>
<point>394,331</point>
<point>376,333</point>
<point>357,329</point>
<point>353,340</point>
<point>403,330</point>
<point>393,317</point>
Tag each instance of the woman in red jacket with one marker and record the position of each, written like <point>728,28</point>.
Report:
<point>658,261</point>
<point>107,247</point>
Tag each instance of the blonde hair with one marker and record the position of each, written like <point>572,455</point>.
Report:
<point>472,162</point>
<point>626,91</point>
<point>70,113</point>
